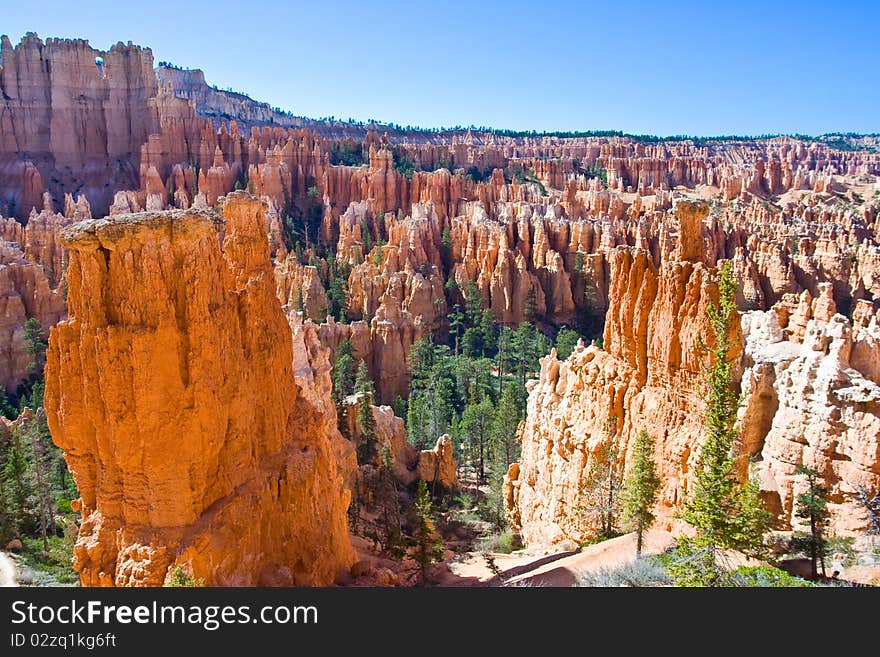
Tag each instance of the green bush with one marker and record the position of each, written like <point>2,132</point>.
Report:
<point>180,579</point>
<point>57,562</point>
<point>502,543</point>
<point>762,576</point>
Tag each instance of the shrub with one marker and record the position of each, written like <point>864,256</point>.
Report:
<point>638,573</point>
<point>762,576</point>
<point>842,546</point>
<point>180,579</point>
<point>502,543</point>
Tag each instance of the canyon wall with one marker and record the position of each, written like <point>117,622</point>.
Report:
<point>176,345</point>
<point>72,120</point>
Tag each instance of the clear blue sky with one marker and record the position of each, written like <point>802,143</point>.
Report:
<point>705,68</point>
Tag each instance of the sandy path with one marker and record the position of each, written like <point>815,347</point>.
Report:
<point>7,571</point>
<point>560,569</point>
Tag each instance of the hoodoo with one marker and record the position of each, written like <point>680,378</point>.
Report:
<point>171,390</point>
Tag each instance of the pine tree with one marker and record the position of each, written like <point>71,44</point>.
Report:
<point>507,417</point>
<point>566,341</point>
<point>428,546</point>
<point>343,371</point>
<point>725,513</point>
<point>42,490</point>
<point>416,421</point>
<point>812,506</point>
<point>476,425</point>
<point>367,448</point>
<point>610,508</point>
<point>456,323</point>
<point>640,488</point>
<point>35,344</point>
<point>489,332</point>
<point>7,522</point>
<point>17,484</point>
<point>446,249</point>
<point>599,505</point>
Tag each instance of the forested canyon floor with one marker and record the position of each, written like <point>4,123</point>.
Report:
<point>268,331</point>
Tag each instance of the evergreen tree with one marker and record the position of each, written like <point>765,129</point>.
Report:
<point>417,422</point>
<point>337,291</point>
<point>812,506</point>
<point>40,468</point>
<point>566,341</point>
<point>476,427</point>
<point>446,249</point>
<point>343,371</point>
<point>524,340</point>
<point>35,344</point>
<point>456,325</point>
<point>640,488</point>
<point>368,446</point>
<point>7,522</point>
<point>599,505</point>
<point>438,399</point>
<point>428,546</point>
<point>725,513</point>
<point>472,343</point>
<point>17,485</point>
<point>386,505</point>
<point>507,416</point>
<point>871,505</point>
<point>531,308</point>
<point>489,332</point>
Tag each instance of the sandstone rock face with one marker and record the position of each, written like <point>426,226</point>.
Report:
<point>221,105</point>
<point>436,465</point>
<point>299,286</point>
<point>171,390</point>
<point>80,115</point>
<point>809,380</point>
<point>312,369</point>
<point>816,403</point>
<point>646,378</point>
<point>24,293</point>
<point>40,241</point>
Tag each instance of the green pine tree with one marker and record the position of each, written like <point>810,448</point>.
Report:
<point>428,546</point>
<point>725,513</point>
<point>566,341</point>
<point>35,345</point>
<point>640,488</point>
<point>343,371</point>
<point>367,449</point>
<point>812,506</point>
<point>476,426</point>
<point>507,417</point>
<point>18,486</point>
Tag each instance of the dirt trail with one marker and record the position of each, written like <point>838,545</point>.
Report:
<point>7,571</point>
<point>558,569</point>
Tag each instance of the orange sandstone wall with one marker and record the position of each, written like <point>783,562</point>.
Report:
<point>172,392</point>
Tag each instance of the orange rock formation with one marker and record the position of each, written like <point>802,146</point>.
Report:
<point>176,345</point>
